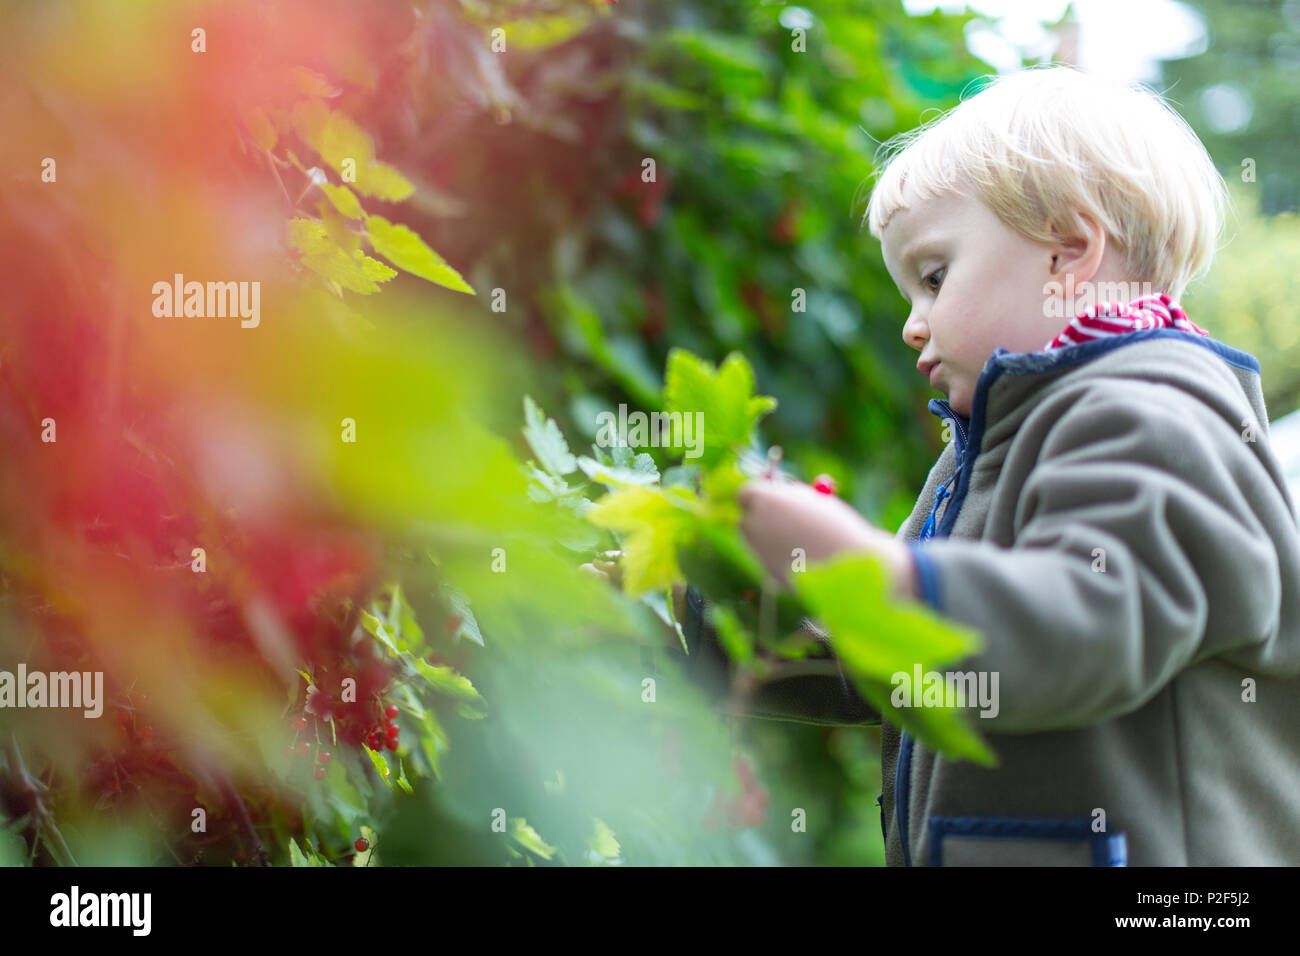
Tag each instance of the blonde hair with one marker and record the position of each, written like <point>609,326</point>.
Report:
<point>1042,145</point>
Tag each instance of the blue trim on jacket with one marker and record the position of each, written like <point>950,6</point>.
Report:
<point>903,792</point>
<point>1108,849</point>
<point>969,435</point>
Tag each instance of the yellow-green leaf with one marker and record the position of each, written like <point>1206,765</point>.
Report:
<point>320,253</point>
<point>537,31</point>
<point>332,135</point>
<point>381,767</point>
<point>406,250</point>
<point>655,523</point>
<point>344,200</point>
<point>603,841</point>
<point>381,181</point>
<point>529,838</point>
<point>447,681</point>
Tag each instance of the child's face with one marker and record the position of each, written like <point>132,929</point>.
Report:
<point>974,284</point>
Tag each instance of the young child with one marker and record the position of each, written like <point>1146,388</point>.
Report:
<point>1108,512</point>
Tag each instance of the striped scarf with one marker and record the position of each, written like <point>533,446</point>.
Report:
<point>1110,318</point>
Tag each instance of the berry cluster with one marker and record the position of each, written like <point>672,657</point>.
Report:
<point>385,734</point>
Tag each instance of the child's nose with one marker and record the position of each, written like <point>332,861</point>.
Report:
<point>915,331</point>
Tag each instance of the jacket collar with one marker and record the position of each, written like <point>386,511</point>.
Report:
<point>1030,365</point>
<point>1018,375</point>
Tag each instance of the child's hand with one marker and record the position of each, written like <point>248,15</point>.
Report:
<point>780,517</point>
<point>606,568</point>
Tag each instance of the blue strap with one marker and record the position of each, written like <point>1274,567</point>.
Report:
<point>927,530</point>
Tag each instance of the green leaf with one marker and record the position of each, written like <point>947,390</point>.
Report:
<point>942,729</point>
<point>547,441</point>
<point>381,767</point>
<point>723,398</point>
<point>547,487</point>
<point>401,777</point>
<point>655,524</point>
<point>528,838</point>
<point>344,200</point>
<point>406,250</point>
<point>616,477</point>
<point>460,605</point>
<point>877,637</point>
<point>446,681</point>
<point>320,253</point>
<point>296,856</point>
<point>377,627</point>
<point>381,181</point>
<point>603,841</point>
<point>661,602</point>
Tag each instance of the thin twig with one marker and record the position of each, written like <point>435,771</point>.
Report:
<point>43,823</point>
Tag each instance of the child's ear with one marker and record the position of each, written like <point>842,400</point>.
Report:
<point>1081,253</point>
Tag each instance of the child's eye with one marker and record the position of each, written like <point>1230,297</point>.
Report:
<point>937,275</point>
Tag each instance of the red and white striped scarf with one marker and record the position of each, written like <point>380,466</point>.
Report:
<point>1111,318</point>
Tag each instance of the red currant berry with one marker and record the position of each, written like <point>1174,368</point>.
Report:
<point>391,711</point>
<point>392,743</point>
<point>304,747</point>
<point>374,742</point>
<point>393,732</point>
<point>362,844</point>
<point>319,773</point>
<point>824,484</point>
<point>323,757</point>
<point>300,723</point>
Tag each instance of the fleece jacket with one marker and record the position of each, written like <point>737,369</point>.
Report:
<point>1112,521</point>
